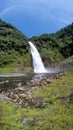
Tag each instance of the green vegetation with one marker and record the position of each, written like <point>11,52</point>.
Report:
<point>15,57</point>
<point>56,47</point>
<point>60,88</point>
<point>48,47</point>
<point>57,115</point>
<point>68,60</point>
<point>13,47</point>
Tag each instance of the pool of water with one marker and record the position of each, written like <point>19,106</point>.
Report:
<point>11,81</point>
<point>16,80</point>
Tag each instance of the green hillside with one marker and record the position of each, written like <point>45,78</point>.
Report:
<point>48,46</point>
<point>14,50</point>
<point>56,47</point>
<point>66,37</point>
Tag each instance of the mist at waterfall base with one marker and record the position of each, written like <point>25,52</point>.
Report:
<point>38,66</point>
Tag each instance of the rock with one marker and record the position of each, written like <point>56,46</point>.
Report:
<point>19,88</point>
<point>22,95</point>
<point>49,80</point>
<point>14,100</point>
<point>28,84</point>
<point>25,121</point>
<point>16,96</point>
<point>70,97</point>
<point>25,105</point>
<point>40,105</point>
<point>19,84</point>
<point>29,94</point>
<point>21,102</point>
<point>0,90</point>
<point>11,93</point>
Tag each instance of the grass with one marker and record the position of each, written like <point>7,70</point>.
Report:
<point>57,115</point>
<point>16,69</point>
<point>61,87</point>
<point>6,69</point>
<point>20,65</point>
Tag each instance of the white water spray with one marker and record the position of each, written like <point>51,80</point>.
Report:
<point>37,61</point>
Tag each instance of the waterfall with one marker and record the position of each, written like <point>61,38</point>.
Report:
<point>36,59</point>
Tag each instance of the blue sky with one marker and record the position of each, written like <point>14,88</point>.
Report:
<point>36,17</point>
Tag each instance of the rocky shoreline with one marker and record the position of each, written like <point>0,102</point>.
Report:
<point>22,94</point>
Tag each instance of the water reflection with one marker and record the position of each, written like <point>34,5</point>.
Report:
<point>7,82</point>
<point>18,81</point>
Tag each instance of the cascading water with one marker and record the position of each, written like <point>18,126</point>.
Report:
<point>37,61</point>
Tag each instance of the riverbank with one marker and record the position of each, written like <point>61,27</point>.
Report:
<point>22,94</point>
<point>44,103</point>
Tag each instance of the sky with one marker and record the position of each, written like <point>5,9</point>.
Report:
<point>36,17</point>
